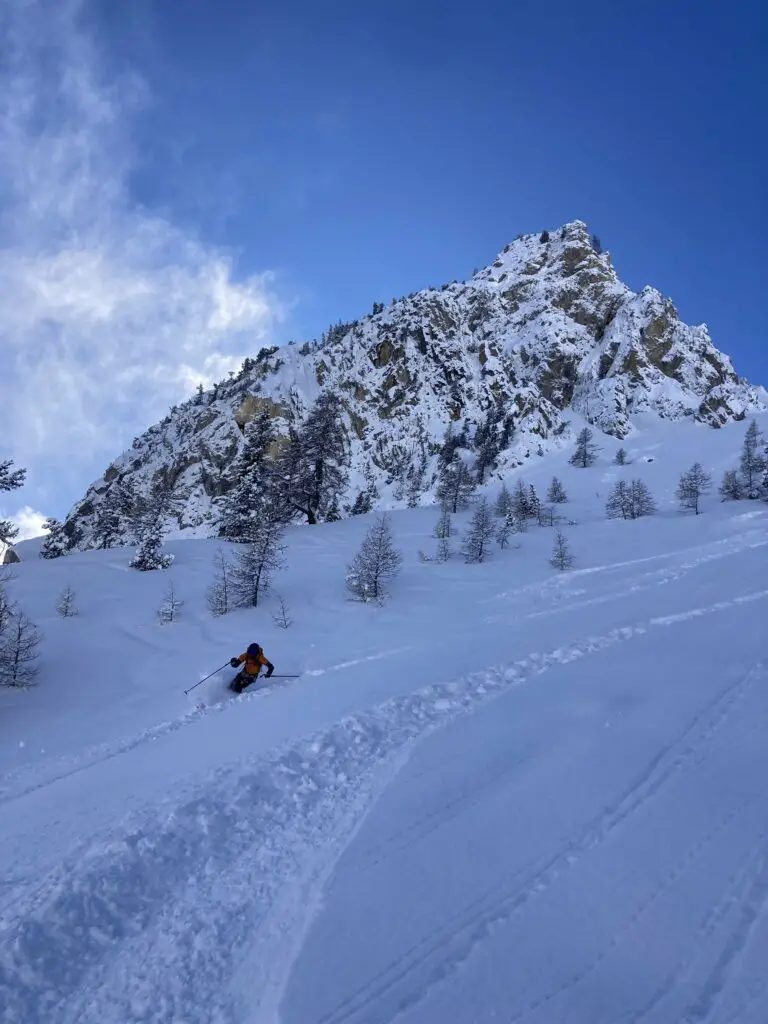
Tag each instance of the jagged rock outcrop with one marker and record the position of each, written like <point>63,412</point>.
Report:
<point>547,328</point>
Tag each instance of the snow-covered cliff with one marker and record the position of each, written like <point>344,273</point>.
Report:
<point>546,328</point>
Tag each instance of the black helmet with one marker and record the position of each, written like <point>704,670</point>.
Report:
<point>253,650</point>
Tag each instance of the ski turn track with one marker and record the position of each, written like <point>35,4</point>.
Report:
<point>197,914</point>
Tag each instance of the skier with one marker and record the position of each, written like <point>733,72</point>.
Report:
<point>255,659</point>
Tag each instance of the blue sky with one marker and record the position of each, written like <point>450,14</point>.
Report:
<point>183,180</point>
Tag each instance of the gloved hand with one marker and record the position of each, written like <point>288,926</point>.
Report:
<point>234,662</point>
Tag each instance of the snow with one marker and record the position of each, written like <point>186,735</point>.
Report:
<point>509,794</point>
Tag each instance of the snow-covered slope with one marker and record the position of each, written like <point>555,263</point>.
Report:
<point>509,794</point>
<point>548,329</point>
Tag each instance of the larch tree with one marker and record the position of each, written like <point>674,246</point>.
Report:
<point>556,492</point>
<point>585,454</point>
<point>376,564</point>
<point>19,652</point>
<point>561,557</point>
<point>260,558</point>
<point>692,486</point>
<point>455,485</point>
<point>482,530</point>
<point>753,461</point>
<point>252,481</point>
<point>313,470</point>
<point>730,489</point>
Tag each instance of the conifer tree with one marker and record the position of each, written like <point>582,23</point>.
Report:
<point>313,470</point>
<point>455,486</point>
<point>621,457</point>
<point>65,605</point>
<point>18,653</point>
<point>586,451</point>
<point>693,484</point>
<point>561,558</point>
<point>477,541</point>
<point>534,505</point>
<point>149,553</point>
<point>629,501</point>
<point>730,489</point>
<point>219,595</point>
<point>444,525</point>
<point>376,564</point>
<point>753,462</point>
<point>503,502</point>
<point>259,559</point>
<point>55,543</point>
<point>10,480</point>
<point>252,480</point>
<point>107,521</point>
<point>556,492</point>
<point>171,606</point>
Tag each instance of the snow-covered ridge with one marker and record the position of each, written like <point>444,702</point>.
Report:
<point>546,328</point>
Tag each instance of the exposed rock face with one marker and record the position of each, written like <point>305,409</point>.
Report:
<point>547,327</point>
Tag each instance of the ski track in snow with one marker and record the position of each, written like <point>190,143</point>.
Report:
<point>146,924</point>
<point>25,780</point>
<point>437,957</point>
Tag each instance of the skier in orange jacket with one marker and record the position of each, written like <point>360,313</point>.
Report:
<point>254,659</point>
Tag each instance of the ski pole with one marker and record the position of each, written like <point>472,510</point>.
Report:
<point>276,675</point>
<point>207,677</point>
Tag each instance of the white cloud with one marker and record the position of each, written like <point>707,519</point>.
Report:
<point>110,313</point>
<point>30,523</point>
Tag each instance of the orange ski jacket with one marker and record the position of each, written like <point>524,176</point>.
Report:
<point>253,666</point>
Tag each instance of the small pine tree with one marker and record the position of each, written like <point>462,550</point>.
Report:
<point>617,506</point>
<point>376,564</point>
<point>521,502</point>
<point>480,534</point>
<point>18,654</point>
<point>730,489</point>
<point>548,516</point>
<point>149,554</point>
<point>444,525</point>
<point>10,480</point>
<point>258,561</point>
<point>544,237</point>
<point>556,492</point>
<point>597,245</point>
<point>282,618</point>
<point>620,458</point>
<point>55,543</point>
<point>219,594</point>
<point>693,484</point>
<point>65,605</point>
<point>586,451</point>
<point>534,505</point>
<point>753,462</point>
<point>503,502</point>
<point>444,550</point>
<point>629,501</point>
<point>171,606</point>
<point>561,558</point>
<point>509,526</point>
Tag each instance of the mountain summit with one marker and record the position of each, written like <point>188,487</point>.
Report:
<point>547,328</point>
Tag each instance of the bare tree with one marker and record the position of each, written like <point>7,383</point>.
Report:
<point>730,489</point>
<point>556,493</point>
<point>586,451</point>
<point>18,654</point>
<point>562,558</point>
<point>444,550</point>
<point>171,606</point>
<point>480,534</point>
<point>548,515</point>
<point>376,564</point>
<point>692,486</point>
<point>65,605</point>
<point>510,525</point>
<point>282,618</point>
<point>219,595</point>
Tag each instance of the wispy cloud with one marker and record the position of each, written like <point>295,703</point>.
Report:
<point>110,313</point>
<point>30,523</point>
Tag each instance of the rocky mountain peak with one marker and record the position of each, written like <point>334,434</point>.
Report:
<point>547,327</point>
